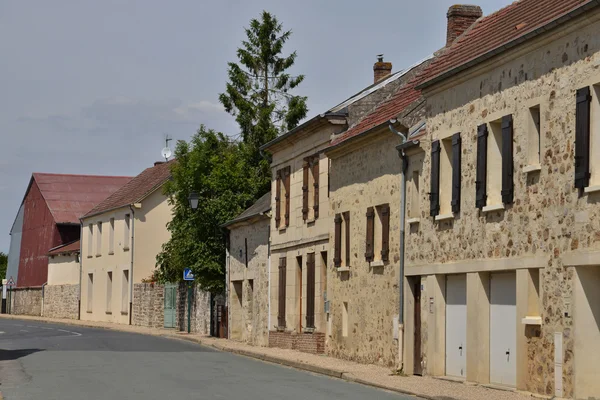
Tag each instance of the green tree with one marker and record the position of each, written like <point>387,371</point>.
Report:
<point>258,91</point>
<point>211,165</point>
<point>3,265</point>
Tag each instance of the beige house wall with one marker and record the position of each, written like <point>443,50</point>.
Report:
<point>249,286</point>
<point>545,233</point>
<point>146,234</point>
<point>63,269</point>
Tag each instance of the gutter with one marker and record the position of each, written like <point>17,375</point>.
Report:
<point>513,43</point>
<point>131,249</point>
<point>80,269</point>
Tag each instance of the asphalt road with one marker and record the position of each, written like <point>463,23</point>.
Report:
<point>40,361</point>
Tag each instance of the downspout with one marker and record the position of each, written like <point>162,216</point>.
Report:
<point>402,223</point>
<point>131,249</point>
<point>80,269</point>
<point>227,283</point>
<point>43,293</point>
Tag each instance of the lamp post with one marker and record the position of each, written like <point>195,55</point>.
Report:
<point>193,199</point>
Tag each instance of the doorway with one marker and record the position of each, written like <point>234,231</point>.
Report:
<point>170,301</point>
<point>418,357</point>
<point>503,329</point>
<point>456,326</point>
<point>299,291</point>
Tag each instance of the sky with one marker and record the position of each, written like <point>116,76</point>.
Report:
<point>93,87</point>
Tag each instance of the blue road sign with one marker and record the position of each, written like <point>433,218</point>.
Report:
<point>188,275</point>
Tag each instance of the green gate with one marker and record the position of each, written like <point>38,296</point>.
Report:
<point>170,304</point>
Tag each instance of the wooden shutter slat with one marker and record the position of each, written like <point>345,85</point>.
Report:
<point>310,290</point>
<point>385,232</point>
<point>347,222</point>
<point>282,286</point>
<point>582,138</point>
<point>315,171</point>
<point>287,195</point>
<point>507,160</point>
<point>370,252</point>
<point>434,193</point>
<point>481,179</point>
<point>456,172</point>
<point>305,167</point>
<point>278,199</point>
<point>337,241</point>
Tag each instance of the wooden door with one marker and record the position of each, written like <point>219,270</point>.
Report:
<point>170,302</point>
<point>418,369</point>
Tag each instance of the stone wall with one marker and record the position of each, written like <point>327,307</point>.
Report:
<point>26,301</point>
<point>305,342</point>
<point>549,219</point>
<point>61,301</point>
<point>148,305</point>
<point>200,315</point>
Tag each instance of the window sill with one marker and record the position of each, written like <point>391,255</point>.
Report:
<point>378,263</point>
<point>308,330</point>
<point>280,329</point>
<point>126,248</point>
<point>532,321</point>
<point>98,255</point>
<point>311,222</point>
<point>444,217</point>
<point>412,221</point>
<point>592,189</point>
<point>90,256</point>
<point>124,313</point>
<point>111,253</point>
<point>532,168</point>
<point>343,269</point>
<point>282,230</point>
<point>109,313</point>
<point>496,207</point>
<point>89,311</point>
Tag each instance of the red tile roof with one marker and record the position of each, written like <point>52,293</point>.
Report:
<point>497,30</point>
<point>70,196</point>
<point>72,247</point>
<point>137,189</point>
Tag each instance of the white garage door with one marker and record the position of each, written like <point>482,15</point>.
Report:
<point>503,329</point>
<point>456,325</point>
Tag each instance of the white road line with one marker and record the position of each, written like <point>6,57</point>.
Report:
<point>73,333</point>
<point>32,326</point>
<point>17,325</point>
<point>1,332</point>
<point>49,329</point>
<point>23,330</point>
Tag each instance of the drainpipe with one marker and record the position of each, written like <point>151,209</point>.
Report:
<point>402,224</point>
<point>131,248</point>
<point>43,293</point>
<point>80,269</point>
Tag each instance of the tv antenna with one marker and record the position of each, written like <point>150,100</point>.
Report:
<point>166,151</point>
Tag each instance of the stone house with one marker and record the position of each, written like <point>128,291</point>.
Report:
<point>61,294</point>
<point>501,267</point>
<point>247,267</point>
<point>300,220</point>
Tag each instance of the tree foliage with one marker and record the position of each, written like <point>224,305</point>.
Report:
<point>212,166</point>
<point>3,265</point>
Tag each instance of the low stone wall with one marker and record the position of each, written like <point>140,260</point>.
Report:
<point>61,301</point>
<point>26,301</point>
<point>148,305</point>
<point>200,315</point>
<point>313,343</point>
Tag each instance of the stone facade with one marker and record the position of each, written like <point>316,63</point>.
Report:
<point>305,342</point>
<point>26,301</point>
<point>550,230</point>
<point>61,301</point>
<point>148,305</point>
<point>249,284</point>
<point>200,315</point>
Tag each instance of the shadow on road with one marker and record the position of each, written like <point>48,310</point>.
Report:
<point>7,355</point>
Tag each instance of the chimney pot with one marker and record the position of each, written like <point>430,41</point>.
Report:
<point>158,163</point>
<point>381,69</point>
<point>460,18</point>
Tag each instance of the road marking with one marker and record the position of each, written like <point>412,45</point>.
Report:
<point>23,330</point>
<point>1,332</point>
<point>49,329</point>
<point>74,333</point>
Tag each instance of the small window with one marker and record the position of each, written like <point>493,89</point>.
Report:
<point>111,237</point>
<point>594,137</point>
<point>125,292</point>
<point>414,210</point>
<point>282,198</point>
<point>126,231</point>
<point>346,239</point>
<point>534,139</point>
<point>90,241</point>
<point>446,176</point>
<point>90,290</point>
<point>345,319</point>
<point>99,239</point>
<point>494,164</point>
<point>109,284</point>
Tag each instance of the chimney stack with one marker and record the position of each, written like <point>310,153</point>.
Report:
<point>381,69</point>
<point>460,18</point>
<point>158,163</point>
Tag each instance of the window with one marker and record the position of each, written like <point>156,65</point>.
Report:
<point>90,294</point>
<point>109,284</point>
<point>414,210</point>
<point>310,188</point>
<point>345,319</point>
<point>282,197</point>
<point>378,233</point>
<point>533,137</point>
<point>90,242</point>
<point>594,137</point>
<point>126,231</point>
<point>494,157</point>
<point>111,237</point>
<point>98,239</point>
<point>342,240</point>
<point>445,183</point>
<point>124,292</point>
<point>281,297</point>
<point>310,290</point>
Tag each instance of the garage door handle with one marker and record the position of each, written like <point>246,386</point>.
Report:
<point>507,352</point>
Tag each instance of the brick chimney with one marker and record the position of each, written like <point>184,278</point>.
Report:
<point>381,69</point>
<point>460,18</point>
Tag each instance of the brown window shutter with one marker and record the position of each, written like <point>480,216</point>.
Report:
<point>337,241</point>
<point>310,290</point>
<point>434,193</point>
<point>278,199</point>
<point>385,232</point>
<point>288,174</point>
<point>582,138</point>
<point>370,253</point>
<point>305,193</point>
<point>456,172</point>
<point>508,185</point>
<point>481,174</point>
<point>315,172</point>
<point>281,308</point>
<point>347,222</point>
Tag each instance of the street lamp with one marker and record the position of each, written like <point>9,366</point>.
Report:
<point>193,200</point>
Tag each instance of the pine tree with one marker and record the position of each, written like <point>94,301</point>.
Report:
<point>258,91</point>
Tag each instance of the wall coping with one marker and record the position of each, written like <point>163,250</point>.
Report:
<point>485,265</point>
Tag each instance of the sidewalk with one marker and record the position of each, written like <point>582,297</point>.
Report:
<point>372,375</point>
